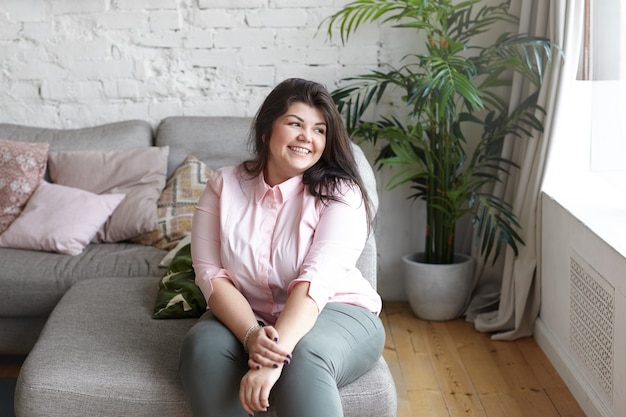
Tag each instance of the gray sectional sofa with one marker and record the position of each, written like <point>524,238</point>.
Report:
<point>85,321</point>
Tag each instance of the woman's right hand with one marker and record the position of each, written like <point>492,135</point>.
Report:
<point>255,388</point>
<point>264,349</point>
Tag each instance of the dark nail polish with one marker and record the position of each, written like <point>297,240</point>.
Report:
<point>289,356</point>
<point>275,339</point>
<point>275,365</point>
<point>286,362</point>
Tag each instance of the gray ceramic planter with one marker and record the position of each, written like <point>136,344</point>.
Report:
<point>438,292</point>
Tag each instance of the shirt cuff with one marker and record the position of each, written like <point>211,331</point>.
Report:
<point>203,281</point>
<point>317,291</point>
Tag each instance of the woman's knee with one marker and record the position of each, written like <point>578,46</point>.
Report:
<point>209,341</point>
<point>198,338</point>
<point>345,342</point>
<point>343,327</point>
<point>212,364</point>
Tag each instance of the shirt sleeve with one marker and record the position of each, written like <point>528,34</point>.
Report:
<point>338,242</point>
<point>205,237</point>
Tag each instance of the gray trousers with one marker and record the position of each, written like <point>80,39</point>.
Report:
<point>345,342</point>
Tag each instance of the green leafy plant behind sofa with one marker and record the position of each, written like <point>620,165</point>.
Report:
<point>454,79</point>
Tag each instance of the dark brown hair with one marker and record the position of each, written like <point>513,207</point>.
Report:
<point>337,163</point>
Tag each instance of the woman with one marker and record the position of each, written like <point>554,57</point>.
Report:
<point>275,243</point>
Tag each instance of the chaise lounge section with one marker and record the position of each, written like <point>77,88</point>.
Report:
<point>102,354</point>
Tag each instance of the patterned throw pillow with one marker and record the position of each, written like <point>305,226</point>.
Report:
<point>179,296</point>
<point>22,166</point>
<point>176,205</point>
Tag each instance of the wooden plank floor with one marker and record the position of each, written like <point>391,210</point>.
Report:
<point>447,369</point>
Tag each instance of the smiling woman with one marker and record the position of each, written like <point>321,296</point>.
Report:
<point>297,142</point>
<point>275,244</point>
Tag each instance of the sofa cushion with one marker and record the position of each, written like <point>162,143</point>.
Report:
<point>102,354</point>
<point>60,219</point>
<point>22,166</point>
<point>138,173</point>
<point>32,282</point>
<point>177,203</point>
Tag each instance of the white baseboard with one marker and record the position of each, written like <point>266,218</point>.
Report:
<point>581,389</point>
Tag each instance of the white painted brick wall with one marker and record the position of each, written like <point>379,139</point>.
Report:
<point>76,63</point>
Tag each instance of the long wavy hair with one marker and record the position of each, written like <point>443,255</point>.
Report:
<point>337,163</point>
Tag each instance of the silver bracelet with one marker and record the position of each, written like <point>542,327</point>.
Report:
<point>247,336</point>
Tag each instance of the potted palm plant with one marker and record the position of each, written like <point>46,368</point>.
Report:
<point>452,82</point>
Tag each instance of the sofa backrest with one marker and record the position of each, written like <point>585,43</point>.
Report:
<point>217,141</point>
<point>113,136</point>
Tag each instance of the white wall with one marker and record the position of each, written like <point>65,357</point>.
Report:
<point>590,361</point>
<point>77,63</point>
<point>70,63</point>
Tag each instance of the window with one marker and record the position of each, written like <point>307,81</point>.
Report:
<point>604,64</point>
<point>603,40</point>
<point>586,171</point>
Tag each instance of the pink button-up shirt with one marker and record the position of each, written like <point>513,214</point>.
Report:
<point>265,239</point>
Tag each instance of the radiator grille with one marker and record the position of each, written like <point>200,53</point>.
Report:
<point>592,319</point>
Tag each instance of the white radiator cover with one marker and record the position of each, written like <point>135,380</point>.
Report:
<point>592,325</point>
<point>582,323</point>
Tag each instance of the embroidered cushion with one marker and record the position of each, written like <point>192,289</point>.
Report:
<point>22,167</point>
<point>176,204</point>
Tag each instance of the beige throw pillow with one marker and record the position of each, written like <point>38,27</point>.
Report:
<point>139,173</point>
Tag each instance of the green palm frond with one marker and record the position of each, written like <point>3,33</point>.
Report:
<point>449,82</point>
<point>357,13</point>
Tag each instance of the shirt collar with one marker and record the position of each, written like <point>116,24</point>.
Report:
<point>281,192</point>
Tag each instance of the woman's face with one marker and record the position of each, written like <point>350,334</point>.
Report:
<point>297,143</point>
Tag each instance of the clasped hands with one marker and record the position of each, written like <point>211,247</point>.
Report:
<point>266,359</point>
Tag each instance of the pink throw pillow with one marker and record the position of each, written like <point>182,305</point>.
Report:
<point>60,219</point>
<point>22,166</point>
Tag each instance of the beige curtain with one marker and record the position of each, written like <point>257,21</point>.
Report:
<point>507,297</point>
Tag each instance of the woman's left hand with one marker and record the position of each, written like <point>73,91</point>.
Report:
<point>264,350</point>
<point>255,387</point>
